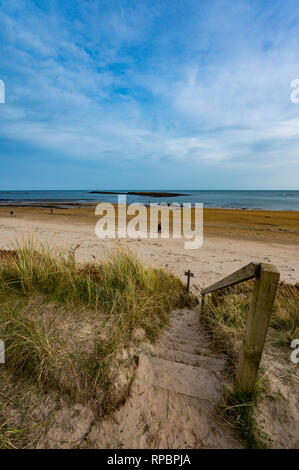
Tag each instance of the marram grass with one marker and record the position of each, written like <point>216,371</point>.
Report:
<point>225,323</point>
<point>116,297</point>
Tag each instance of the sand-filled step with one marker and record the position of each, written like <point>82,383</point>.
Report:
<point>181,378</point>
<point>191,359</point>
<point>190,347</point>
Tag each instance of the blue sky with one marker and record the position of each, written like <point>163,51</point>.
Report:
<point>149,94</point>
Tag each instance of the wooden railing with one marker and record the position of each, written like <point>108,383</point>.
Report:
<point>260,309</point>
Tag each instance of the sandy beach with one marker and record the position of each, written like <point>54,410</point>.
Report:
<point>149,227</point>
<point>232,238</point>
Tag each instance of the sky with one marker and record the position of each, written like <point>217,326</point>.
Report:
<point>149,94</point>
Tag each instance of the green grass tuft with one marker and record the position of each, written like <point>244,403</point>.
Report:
<point>238,412</point>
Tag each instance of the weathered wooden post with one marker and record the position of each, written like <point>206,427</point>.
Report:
<point>215,297</point>
<point>188,274</point>
<point>260,309</point>
<point>203,301</point>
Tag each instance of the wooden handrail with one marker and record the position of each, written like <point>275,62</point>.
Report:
<point>244,274</point>
<point>260,309</point>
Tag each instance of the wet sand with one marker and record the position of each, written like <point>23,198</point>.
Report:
<point>278,226</point>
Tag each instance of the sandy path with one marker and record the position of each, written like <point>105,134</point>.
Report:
<point>173,397</point>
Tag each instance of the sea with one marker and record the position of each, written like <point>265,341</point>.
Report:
<point>251,200</point>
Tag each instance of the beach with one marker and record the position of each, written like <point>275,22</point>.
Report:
<point>149,227</point>
<point>232,238</point>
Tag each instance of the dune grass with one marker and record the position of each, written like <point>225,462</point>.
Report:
<point>64,323</point>
<point>237,412</point>
<point>225,322</point>
<point>119,284</point>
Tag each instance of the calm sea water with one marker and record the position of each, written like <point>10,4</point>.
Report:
<point>270,200</point>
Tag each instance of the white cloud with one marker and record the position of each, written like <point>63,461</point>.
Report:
<point>224,100</point>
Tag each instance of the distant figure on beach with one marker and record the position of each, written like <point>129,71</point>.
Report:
<point>159,228</point>
<point>11,213</point>
<point>52,211</point>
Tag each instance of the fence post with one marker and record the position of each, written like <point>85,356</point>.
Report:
<point>203,301</point>
<point>214,298</point>
<point>256,328</point>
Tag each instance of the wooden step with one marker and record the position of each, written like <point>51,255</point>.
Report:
<point>191,347</point>
<point>191,359</point>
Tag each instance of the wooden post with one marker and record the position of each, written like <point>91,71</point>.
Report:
<point>256,328</point>
<point>188,274</point>
<point>202,306</point>
<point>215,298</point>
